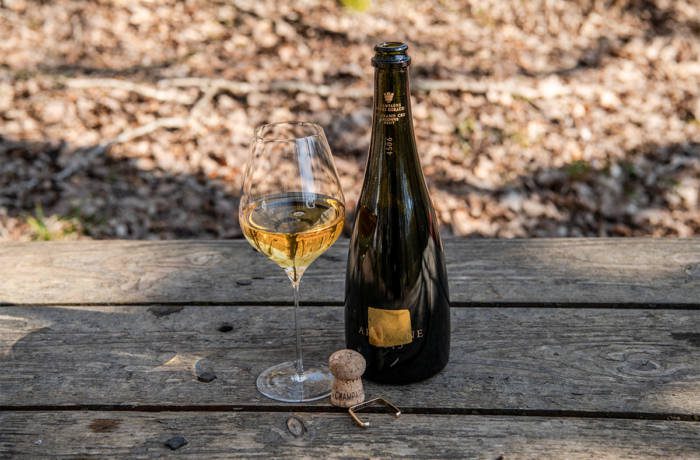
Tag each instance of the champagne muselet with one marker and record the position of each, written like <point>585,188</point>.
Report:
<point>396,300</point>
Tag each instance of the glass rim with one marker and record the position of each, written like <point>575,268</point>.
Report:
<point>260,136</point>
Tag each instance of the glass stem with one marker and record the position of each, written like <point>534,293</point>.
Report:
<point>297,328</point>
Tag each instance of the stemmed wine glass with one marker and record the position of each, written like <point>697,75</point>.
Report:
<point>292,210</point>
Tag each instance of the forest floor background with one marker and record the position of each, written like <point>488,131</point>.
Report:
<point>132,119</point>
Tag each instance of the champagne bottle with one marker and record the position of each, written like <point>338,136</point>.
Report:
<point>397,311</point>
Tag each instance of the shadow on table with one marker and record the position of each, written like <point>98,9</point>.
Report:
<point>504,361</point>
<point>148,355</point>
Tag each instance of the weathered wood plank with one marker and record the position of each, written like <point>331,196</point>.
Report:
<point>266,434</point>
<point>633,271</point>
<point>532,359</point>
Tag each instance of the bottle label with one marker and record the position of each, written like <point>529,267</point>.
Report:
<point>389,328</point>
<point>391,111</point>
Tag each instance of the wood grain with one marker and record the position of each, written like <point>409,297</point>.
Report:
<point>266,434</point>
<point>634,271</point>
<point>603,361</point>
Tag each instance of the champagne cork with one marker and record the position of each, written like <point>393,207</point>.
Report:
<point>347,367</point>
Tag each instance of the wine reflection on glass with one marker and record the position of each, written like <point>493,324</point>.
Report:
<point>292,210</point>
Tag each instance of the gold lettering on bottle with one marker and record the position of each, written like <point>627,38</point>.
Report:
<point>391,111</point>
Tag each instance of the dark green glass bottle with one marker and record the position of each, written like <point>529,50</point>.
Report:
<point>397,311</point>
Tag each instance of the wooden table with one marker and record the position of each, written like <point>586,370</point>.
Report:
<point>561,348</point>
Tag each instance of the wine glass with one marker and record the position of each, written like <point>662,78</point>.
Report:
<point>292,210</point>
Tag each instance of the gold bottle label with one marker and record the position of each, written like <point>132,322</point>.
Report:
<point>389,328</point>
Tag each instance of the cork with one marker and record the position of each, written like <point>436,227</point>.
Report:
<point>347,367</point>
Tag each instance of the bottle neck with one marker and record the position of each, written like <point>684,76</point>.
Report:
<point>392,101</point>
<point>394,177</point>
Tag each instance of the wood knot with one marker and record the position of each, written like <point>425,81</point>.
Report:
<point>296,426</point>
<point>641,365</point>
<point>104,425</point>
<point>645,365</point>
<point>225,327</point>
<point>204,371</point>
<point>204,259</point>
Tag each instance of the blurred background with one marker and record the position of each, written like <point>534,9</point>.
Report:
<point>132,119</point>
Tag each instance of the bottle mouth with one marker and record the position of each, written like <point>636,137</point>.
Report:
<point>391,54</point>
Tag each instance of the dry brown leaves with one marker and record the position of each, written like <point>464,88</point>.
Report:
<point>540,118</point>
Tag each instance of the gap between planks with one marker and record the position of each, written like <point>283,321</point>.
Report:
<point>311,303</point>
<point>335,410</point>
<point>284,435</point>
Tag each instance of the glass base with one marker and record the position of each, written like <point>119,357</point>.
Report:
<point>282,383</point>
